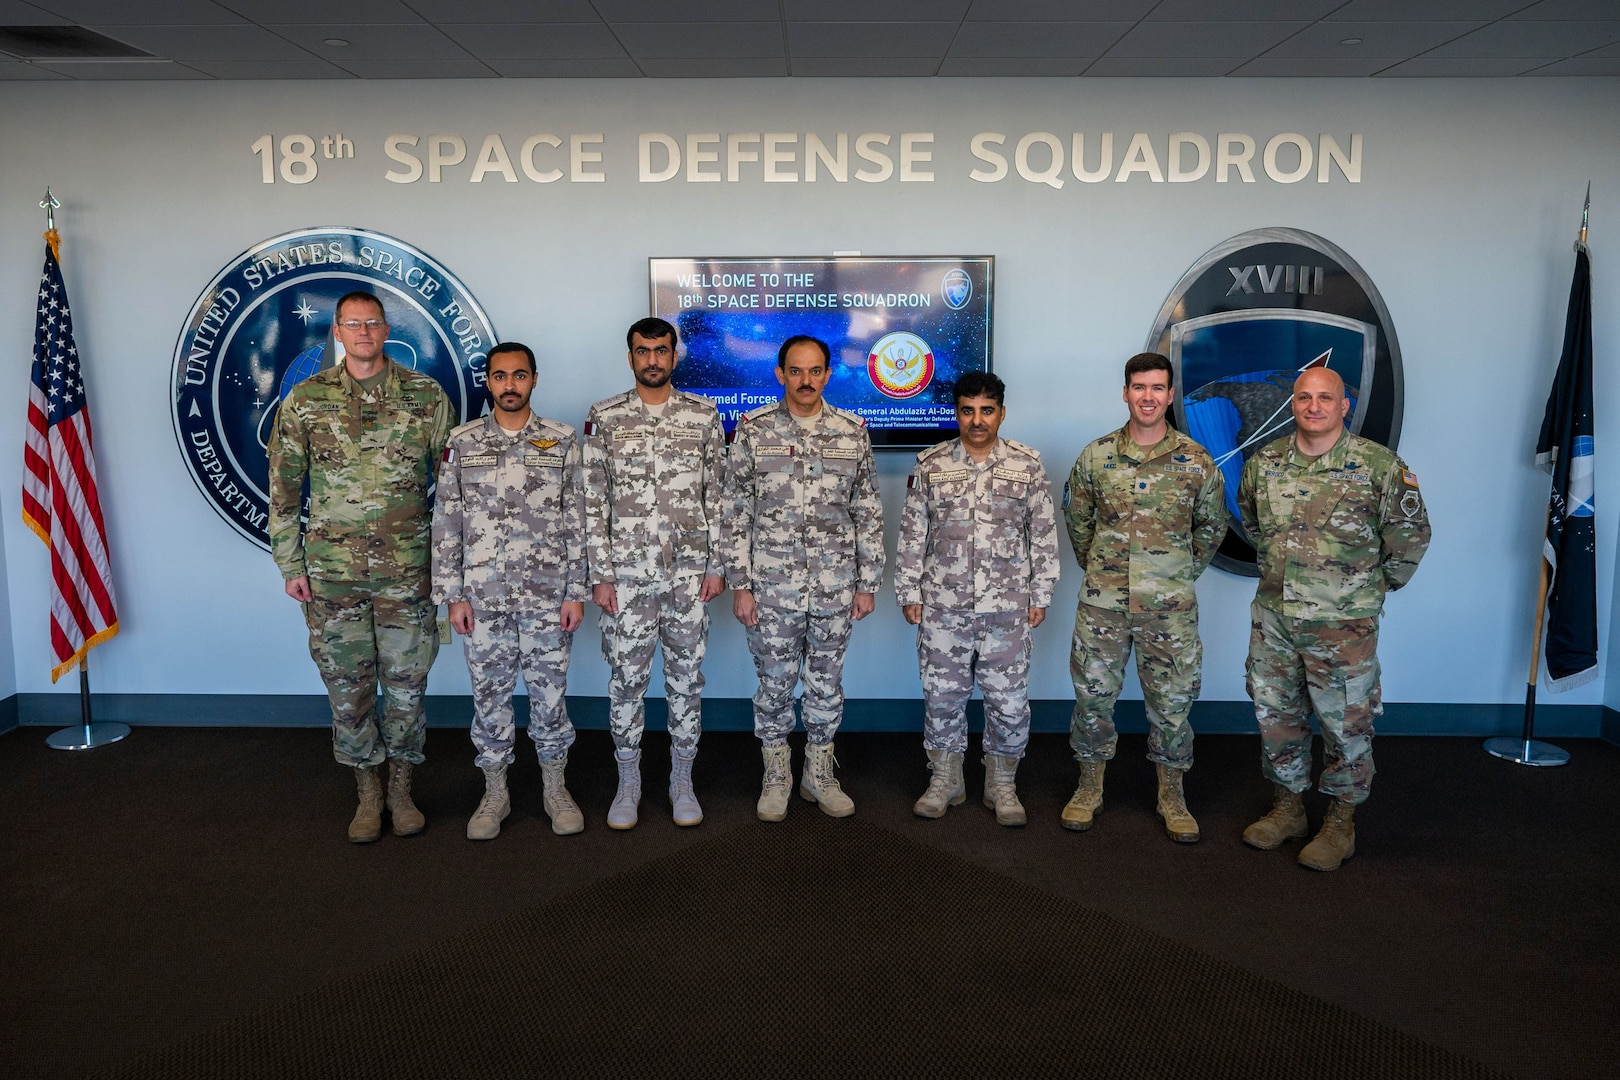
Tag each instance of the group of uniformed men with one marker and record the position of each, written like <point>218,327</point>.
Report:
<point>650,516</point>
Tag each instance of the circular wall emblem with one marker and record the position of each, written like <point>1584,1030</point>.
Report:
<point>1239,327</point>
<point>265,323</point>
<point>901,364</point>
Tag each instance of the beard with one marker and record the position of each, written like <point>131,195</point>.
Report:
<point>652,379</point>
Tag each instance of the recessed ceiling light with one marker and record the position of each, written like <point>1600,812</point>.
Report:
<point>335,41</point>
<point>1346,41</point>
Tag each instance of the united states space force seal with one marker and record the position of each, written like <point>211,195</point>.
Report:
<point>264,324</point>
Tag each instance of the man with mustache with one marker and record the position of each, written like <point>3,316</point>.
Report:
<point>1337,522</point>
<point>804,558</point>
<point>977,563</point>
<point>1145,508</point>
<point>654,466</point>
<point>366,434</point>
<point>509,560</point>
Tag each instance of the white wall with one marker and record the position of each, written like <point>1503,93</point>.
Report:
<point>1468,202</point>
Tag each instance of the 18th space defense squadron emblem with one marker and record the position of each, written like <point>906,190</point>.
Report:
<point>1252,314</point>
<point>264,324</point>
<point>900,364</point>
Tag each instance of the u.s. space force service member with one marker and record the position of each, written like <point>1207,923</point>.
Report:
<point>1337,522</point>
<point>1145,511</point>
<point>976,566</point>
<point>509,560</point>
<point>654,467</point>
<point>804,556</point>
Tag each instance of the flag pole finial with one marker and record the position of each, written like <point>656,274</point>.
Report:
<point>50,204</point>
<point>1580,242</point>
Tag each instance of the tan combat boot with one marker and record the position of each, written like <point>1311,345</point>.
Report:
<point>1284,821</point>
<point>1335,843</point>
<point>945,787</point>
<point>1000,794</point>
<point>1086,802</point>
<point>408,820</point>
<point>367,823</point>
<point>773,793</point>
<point>820,786</point>
<point>565,815</point>
<point>1178,823</point>
<point>493,808</point>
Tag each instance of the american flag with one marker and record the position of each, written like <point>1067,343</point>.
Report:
<point>59,481</point>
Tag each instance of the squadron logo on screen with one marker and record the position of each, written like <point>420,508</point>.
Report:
<point>264,324</point>
<point>901,364</point>
<point>1240,326</point>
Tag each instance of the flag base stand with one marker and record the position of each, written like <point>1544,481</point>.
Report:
<point>86,736</point>
<point>1526,751</point>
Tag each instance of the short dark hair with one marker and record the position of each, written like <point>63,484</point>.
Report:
<point>979,384</point>
<point>802,339</point>
<point>358,296</point>
<point>652,328</point>
<point>1149,361</point>
<point>512,346</point>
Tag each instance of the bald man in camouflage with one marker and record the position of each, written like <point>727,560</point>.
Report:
<point>1337,522</point>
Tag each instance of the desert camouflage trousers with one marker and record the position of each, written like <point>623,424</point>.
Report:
<point>651,613</point>
<point>788,646</point>
<point>956,647</point>
<point>362,633</point>
<point>1169,665</point>
<point>1297,668</point>
<point>501,644</point>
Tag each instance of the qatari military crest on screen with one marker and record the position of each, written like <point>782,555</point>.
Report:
<point>264,324</point>
<point>1239,327</point>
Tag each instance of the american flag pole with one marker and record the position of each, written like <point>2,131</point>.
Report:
<point>60,499</point>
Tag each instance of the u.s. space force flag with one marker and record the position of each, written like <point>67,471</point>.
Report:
<point>1565,447</point>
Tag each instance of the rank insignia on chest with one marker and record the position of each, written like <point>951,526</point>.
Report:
<point>773,451</point>
<point>480,461</point>
<point>544,444</point>
<point>1180,459</point>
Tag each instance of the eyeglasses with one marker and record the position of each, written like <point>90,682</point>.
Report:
<point>352,325</point>
<point>663,352</point>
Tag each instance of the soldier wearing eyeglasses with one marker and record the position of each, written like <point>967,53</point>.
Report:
<point>366,434</point>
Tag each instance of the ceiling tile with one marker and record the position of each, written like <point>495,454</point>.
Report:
<point>419,69</point>
<point>245,42</point>
<point>608,68</point>
<point>1428,11</point>
<point>1178,67</point>
<point>1195,39</point>
<point>147,12</point>
<point>286,69</point>
<point>536,41</point>
<point>1581,65</point>
<point>17,71</point>
<point>1428,67</point>
<point>1546,39</point>
<point>1240,10</point>
<point>865,67</point>
<point>374,42</point>
<point>877,39</point>
<point>680,68</point>
<point>1401,39</point>
<point>699,41</point>
<point>688,10</point>
<point>1274,66</point>
<point>1016,67</point>
<point>17,13</point>
<point>448,12</point>
<point>1059,10</point>
<point>875,10</point>
<point>1567,10</point>
<point>348,12</point>
<point>102,70</point>
<point>1607,50</point>
<point>1036,39</point>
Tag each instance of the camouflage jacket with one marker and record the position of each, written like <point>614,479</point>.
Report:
<point>509,517</point>
<point>652,488</point>
<point>978,536</point>
<point>369,459</point>
<point>806,525</point>
<point>1335,533</point>
<point>1144,525</point>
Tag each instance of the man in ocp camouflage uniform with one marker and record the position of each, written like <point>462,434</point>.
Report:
<point>1337,521</point>
<point>654,466</point>
<point>976,567</point>
<point>509,560</point>
<point>367,435</point>
<point>1145,512</point>
<point>804,558</point>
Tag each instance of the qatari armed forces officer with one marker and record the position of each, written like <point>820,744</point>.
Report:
<point>509,560</point>
<point>367,435</point>
<point>1337,522</point>
<point>977,563</point>
<point>1145,511</point>
<point>654,467</point>
<point>804,558</point>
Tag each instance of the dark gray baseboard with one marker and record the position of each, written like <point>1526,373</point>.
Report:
<point>735,714</point>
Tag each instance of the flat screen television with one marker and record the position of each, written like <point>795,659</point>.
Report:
<point>901,331</point>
